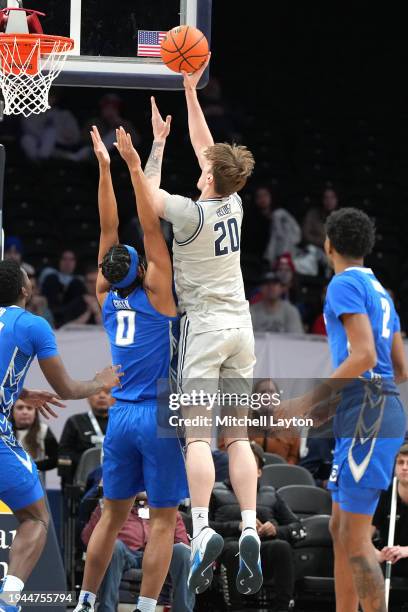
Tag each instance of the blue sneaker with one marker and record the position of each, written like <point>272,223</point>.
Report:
<point>5,607</point>
<point>205,548</point>
<point>249,578</point>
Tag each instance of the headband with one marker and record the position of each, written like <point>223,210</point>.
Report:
<point>132,272</point>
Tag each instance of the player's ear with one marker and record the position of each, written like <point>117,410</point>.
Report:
<point>210,179</point>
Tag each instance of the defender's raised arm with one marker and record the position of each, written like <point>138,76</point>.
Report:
<point>108,210</point>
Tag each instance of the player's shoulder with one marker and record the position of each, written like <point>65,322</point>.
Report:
<point>350,279</point>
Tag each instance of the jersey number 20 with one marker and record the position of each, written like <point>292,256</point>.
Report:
<point>223,244</point>
<point>125,331</point>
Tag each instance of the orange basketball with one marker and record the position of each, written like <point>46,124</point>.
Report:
<point>184,48</point>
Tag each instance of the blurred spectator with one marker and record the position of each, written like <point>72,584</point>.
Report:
<point>83,431</point>
<point>216,112</point>
<point>398,553</point>
<point>50,134</point>
<point>35,437</point>
<point>61,286</point>
<point>85,310</point>
<point>315,219</point>
<point>38,304</point>
<point>316,453</point>
<point>277,527</point>
<point>273,314</point>
<point>128,554</point>
<point>285,443</point>
<point>310,260</point>
<point>110,118</point>
<point>319,326</point>
<point>13,249</point>
<point>268,231</point>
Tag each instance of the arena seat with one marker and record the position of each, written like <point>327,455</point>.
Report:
<point>306,500</point>
<point>90,460</point>
<point>273,459</point>
<point>282,475</point>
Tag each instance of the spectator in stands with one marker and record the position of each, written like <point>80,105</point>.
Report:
<point>128,554</point>
<point>277,527</point>
<point>316,453</point>
<point>110,118</point>
<point>61,286</point>
<point>398,553</point>
<point>35,437</point>
<point>315,219</point>
<point>85,310</point>
<point>284,231</point>
<point>216,112</point>
<point>83,431</point>
<point>13,249</point>
<point>38,304</point>
<point>50,134</point>
<point>272,313</point>
<point>284,443</point>
<point>319,326</point>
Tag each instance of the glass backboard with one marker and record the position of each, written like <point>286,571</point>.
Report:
<point>107,34</point>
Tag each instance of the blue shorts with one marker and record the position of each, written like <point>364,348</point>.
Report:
<point>135,459</point>
<point>369,430</point>
<point>20,485</point>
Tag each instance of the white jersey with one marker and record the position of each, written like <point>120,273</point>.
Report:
<point>206,257</point>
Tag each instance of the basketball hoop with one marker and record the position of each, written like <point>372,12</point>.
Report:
<point>29,63</point>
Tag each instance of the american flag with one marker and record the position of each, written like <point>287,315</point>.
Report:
<point>148,43</point>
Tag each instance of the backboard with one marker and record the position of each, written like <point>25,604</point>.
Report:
<point>107,33</point>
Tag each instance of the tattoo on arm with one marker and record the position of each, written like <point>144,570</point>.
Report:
<point>369,582</point>
<point>154,163</point>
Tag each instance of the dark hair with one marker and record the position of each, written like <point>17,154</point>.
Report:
<point>31,441</point>
<point>115,265</point>
<point>403,450</point>
<point>351,232</point>
<point>11,282</point>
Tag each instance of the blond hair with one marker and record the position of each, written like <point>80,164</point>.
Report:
<point>231,166</point>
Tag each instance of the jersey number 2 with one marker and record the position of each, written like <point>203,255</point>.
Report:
<point>386,332</point>
<point>233,232</point>
<point>125,331</point>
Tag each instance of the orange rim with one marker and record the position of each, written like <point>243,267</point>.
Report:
<point>47,42</point>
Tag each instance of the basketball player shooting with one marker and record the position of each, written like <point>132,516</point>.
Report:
<point>216,340</point>
<point>24,336</point>
<point>141,321</point>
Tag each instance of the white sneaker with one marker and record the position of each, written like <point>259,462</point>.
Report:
<point>205,548</point>
<point>249,578</point>
<point>84,607</point>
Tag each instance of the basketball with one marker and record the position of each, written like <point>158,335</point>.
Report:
<point>184,48</point>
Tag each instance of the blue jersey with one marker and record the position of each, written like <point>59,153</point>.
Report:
<point>143,341</point>
<point>23,336</point>
<point>357,291</point>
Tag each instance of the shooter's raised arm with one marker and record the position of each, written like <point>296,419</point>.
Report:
<point>108,210</point>
<point>200,134</point>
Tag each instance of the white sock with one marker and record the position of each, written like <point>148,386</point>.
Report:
<point>248,519</point>
<point>87,597</point>
<point>10,584</point>
<point>145,604</point>
<point>200,519</point>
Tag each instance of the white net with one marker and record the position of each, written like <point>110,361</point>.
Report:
<point>24,93</point>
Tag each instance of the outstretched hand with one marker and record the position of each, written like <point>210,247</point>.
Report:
<point>100,150</point>
<point>161,128</point>
<point>126,149</point>
<point>41,400</point>
<point>191,81</point>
